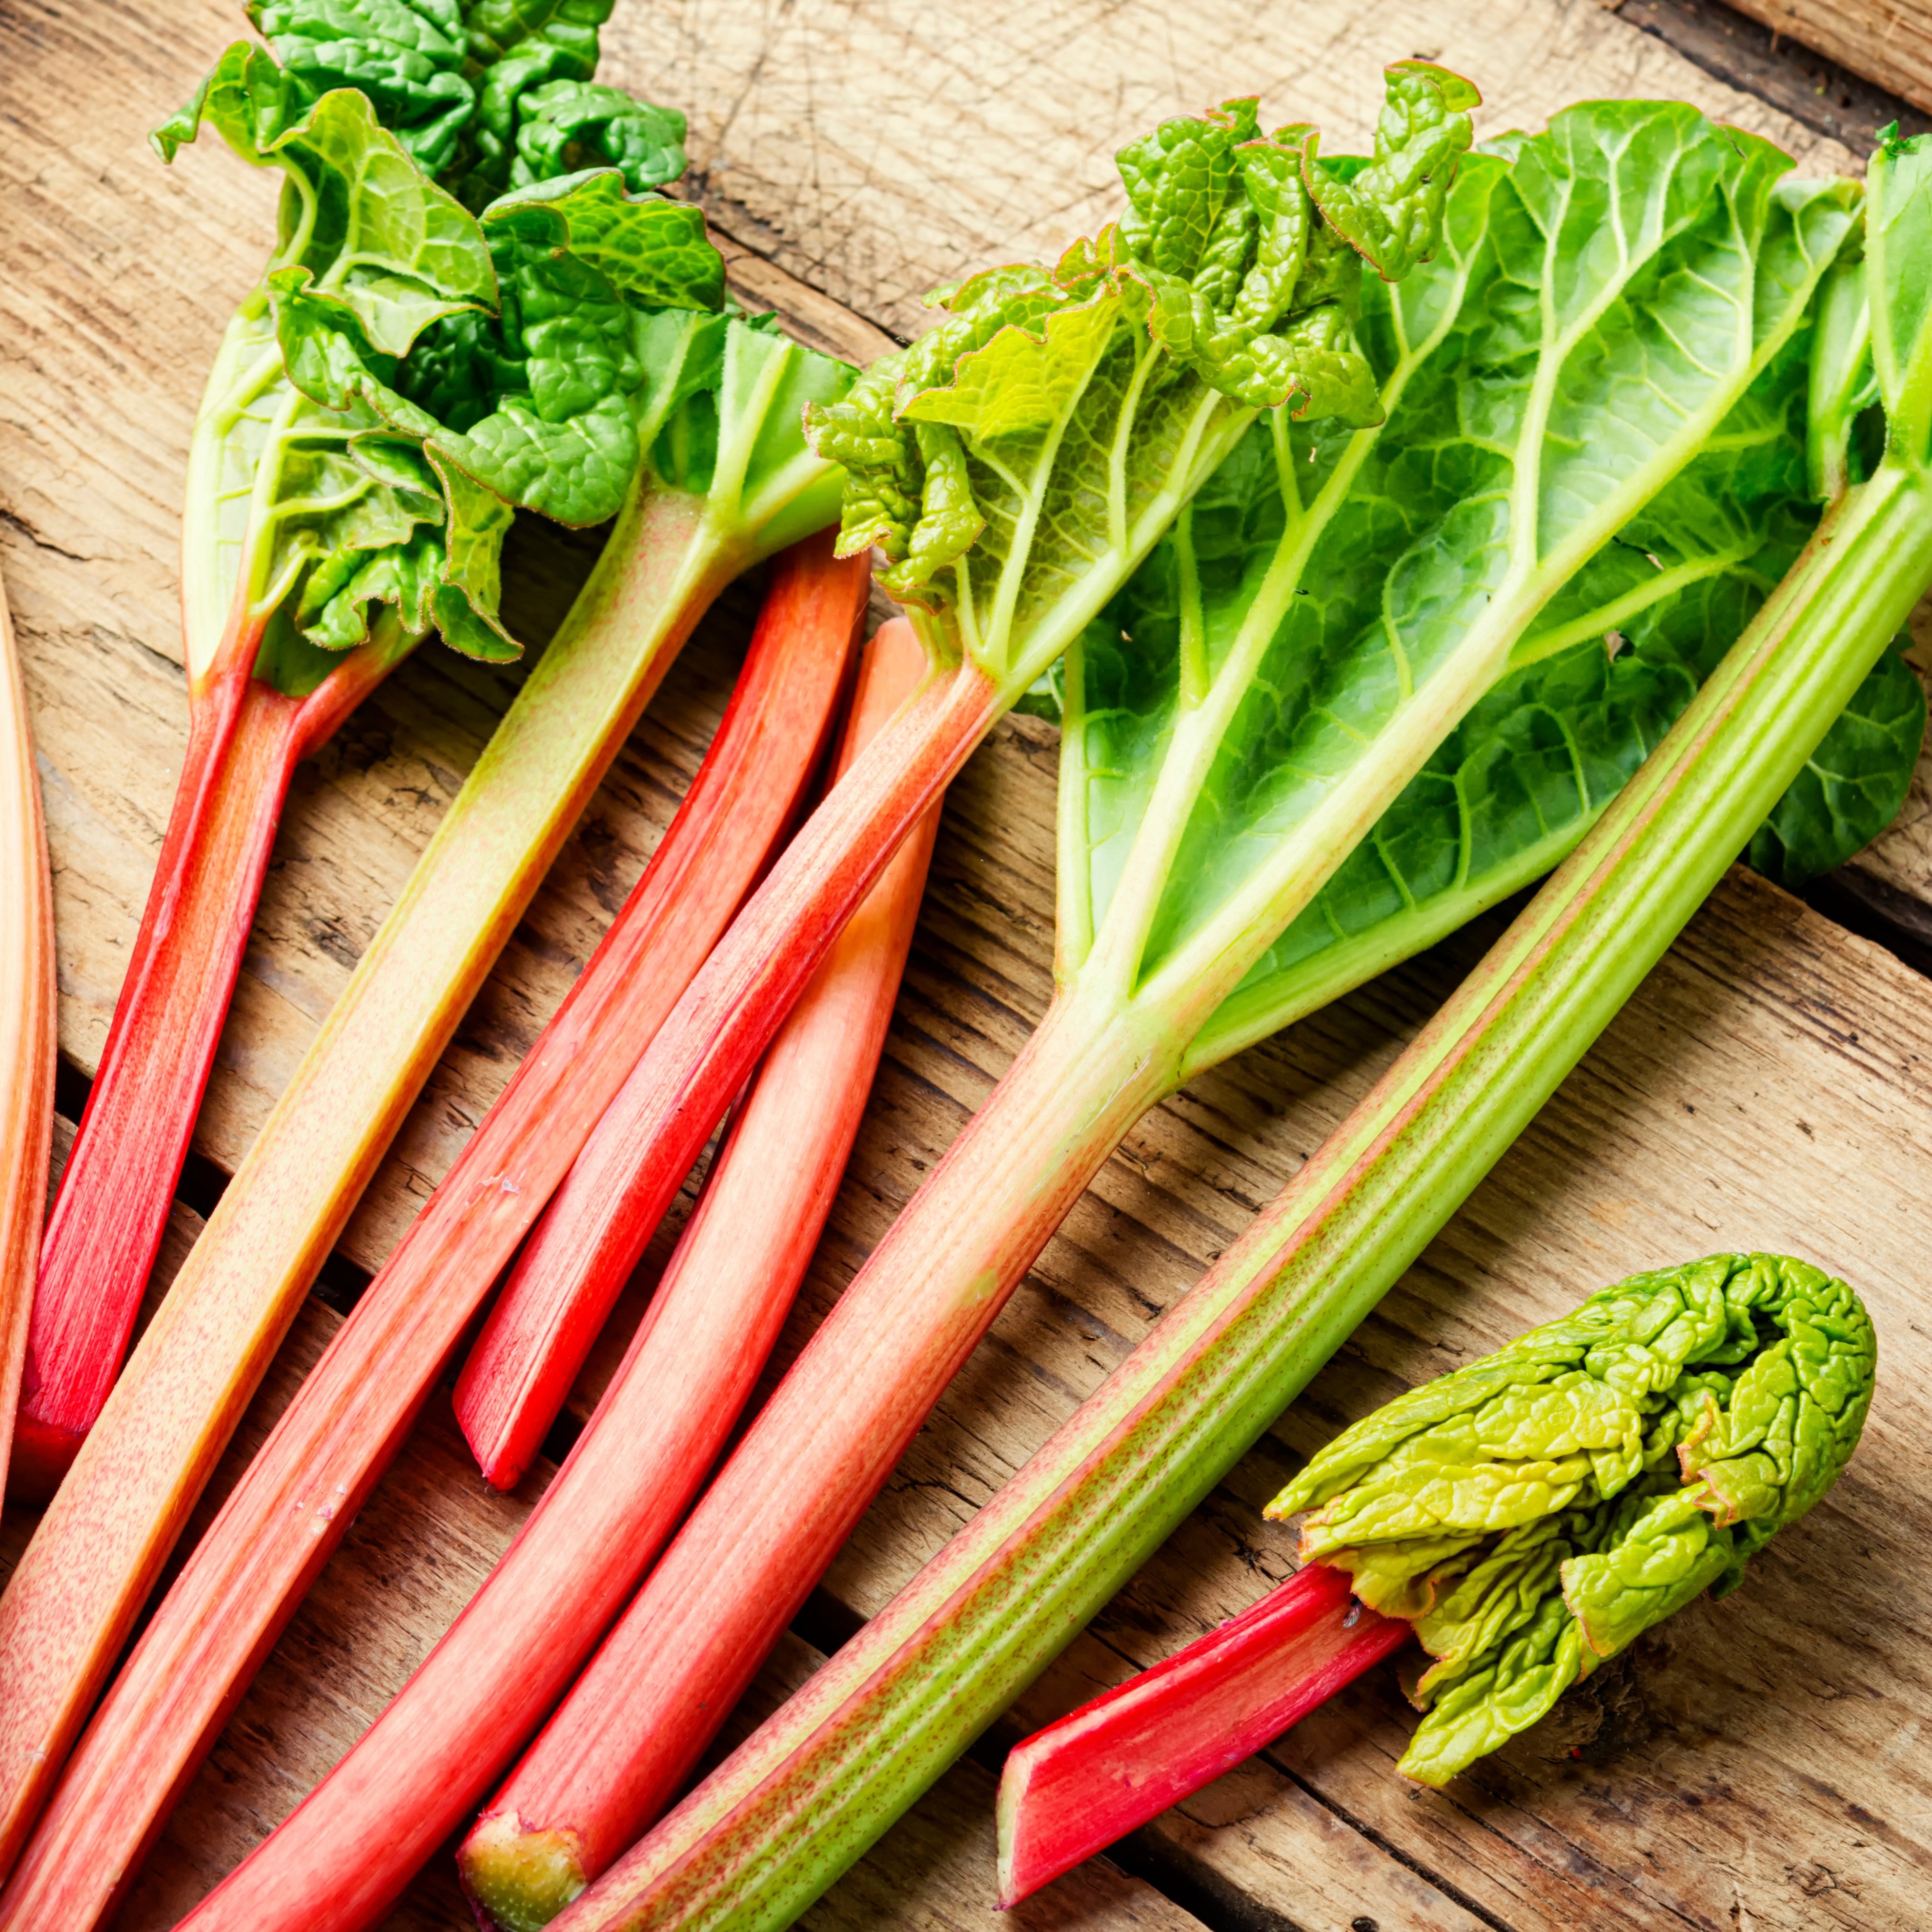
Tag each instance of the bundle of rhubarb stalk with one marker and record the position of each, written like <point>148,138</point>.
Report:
<point>1384,533</point>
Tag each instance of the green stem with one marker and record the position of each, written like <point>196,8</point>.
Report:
<point>803,1799</point>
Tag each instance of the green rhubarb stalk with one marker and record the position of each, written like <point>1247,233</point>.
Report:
<point>1554,448</point>
<point>805,1796</point>
<point>617,388</point>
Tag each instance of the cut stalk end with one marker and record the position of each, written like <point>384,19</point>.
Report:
<point>517,1878</point>
<point>1070,1791</point>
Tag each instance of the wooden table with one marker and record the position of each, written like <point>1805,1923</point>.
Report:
<point>1758,1764</point>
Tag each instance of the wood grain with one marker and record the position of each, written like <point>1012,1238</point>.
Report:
<point>1757,1766</point>
<point>1889,41</point>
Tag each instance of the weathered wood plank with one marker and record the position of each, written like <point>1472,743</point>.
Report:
<point>1890,41</point>
<point>875,149</point>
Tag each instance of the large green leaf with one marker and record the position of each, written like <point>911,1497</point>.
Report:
<point>1017,460</point>
<point>1593,400</point>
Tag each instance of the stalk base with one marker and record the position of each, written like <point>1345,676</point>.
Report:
<point>517,1879</point>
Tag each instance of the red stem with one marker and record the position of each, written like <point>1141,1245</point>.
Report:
<point>245,740</point>
<point>596,1228</point>
<point>1070,1790</point>
<point>244,1580</point>
<point>505,1415</point>
<point>808,1468</point>
<point>352,1846</point>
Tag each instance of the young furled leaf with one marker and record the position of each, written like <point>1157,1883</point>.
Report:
<point>1534,1513</point>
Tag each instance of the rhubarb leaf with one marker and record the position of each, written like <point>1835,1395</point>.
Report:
<point>1390,210</point>
<point>1535,1512</point>
<point>1898,217</point>
<point>486,97</point>
<point>542,402</point>
<point>407,56</point>
<point>566,126</point>
<point>1016,461</point>
<point>357,212</point>
<point>1579,439</point>
<point>1852,786</point>
<point>1844,386</point>
<point>305,498</point>
<point>1508,793</point>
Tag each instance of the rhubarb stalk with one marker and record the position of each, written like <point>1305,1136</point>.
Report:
<point>295,524</point>
<point>245,739</point>
<point>313,493</point>
<point>1042,416</point>
<point>1527,1518</point>
<point>803,1797</point>
<point>69,1606</point>
<point>505,1425</point>
<point>1070,1790</point>
<point>27,1019</point>
<point>245,1578</point>
<point>1225,765</point>
<point>343,1856</point>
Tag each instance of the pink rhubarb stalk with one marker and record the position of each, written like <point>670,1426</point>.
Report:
<point>596,1229</point>
<point>344,1855</point>
<point>27,1009</point>
<point>1071,1789</point>
<point>534,1344</point>
<point>245,739</point>
<point>244,1581</point>
<point>635,1723</point>
<point>69,1608</point>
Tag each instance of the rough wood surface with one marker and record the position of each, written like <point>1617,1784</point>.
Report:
<point>1889,41</point>
<point>1756,1767</point>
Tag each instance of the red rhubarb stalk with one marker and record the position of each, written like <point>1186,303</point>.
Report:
<point>27,1007</point>
<point>245,740</point>
<point>351,1847</point>
<point>527,1359</point>
<point>596,1227</point>
<point>245,1578</point>
<point>1070,1790</point>
<point>635,1723</point>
